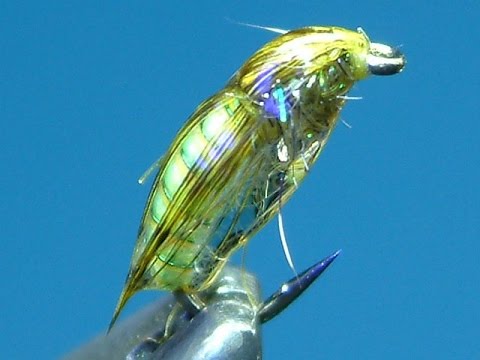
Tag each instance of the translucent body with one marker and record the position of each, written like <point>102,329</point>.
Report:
<point>240,153</point>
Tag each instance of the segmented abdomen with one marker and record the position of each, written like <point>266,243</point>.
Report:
<point>199,185</point>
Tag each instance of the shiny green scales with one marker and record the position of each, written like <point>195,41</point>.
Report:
<point>244,151</point>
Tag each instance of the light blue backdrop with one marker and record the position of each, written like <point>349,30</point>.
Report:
<point>91,94</point>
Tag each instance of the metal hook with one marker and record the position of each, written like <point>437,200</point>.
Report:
<point>385,60</point>
<point>292,289</point>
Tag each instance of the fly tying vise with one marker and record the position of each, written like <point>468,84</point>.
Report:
<point>243,152</point>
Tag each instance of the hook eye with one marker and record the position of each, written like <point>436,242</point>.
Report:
<point>385,60</point>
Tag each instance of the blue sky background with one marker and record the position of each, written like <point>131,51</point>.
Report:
<point>91,94</point>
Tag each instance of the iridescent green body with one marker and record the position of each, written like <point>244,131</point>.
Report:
<point>244,150</point>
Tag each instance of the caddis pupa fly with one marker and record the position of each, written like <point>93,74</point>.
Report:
<point>243,153</point>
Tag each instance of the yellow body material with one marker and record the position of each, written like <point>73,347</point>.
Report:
<point>243,150</point>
